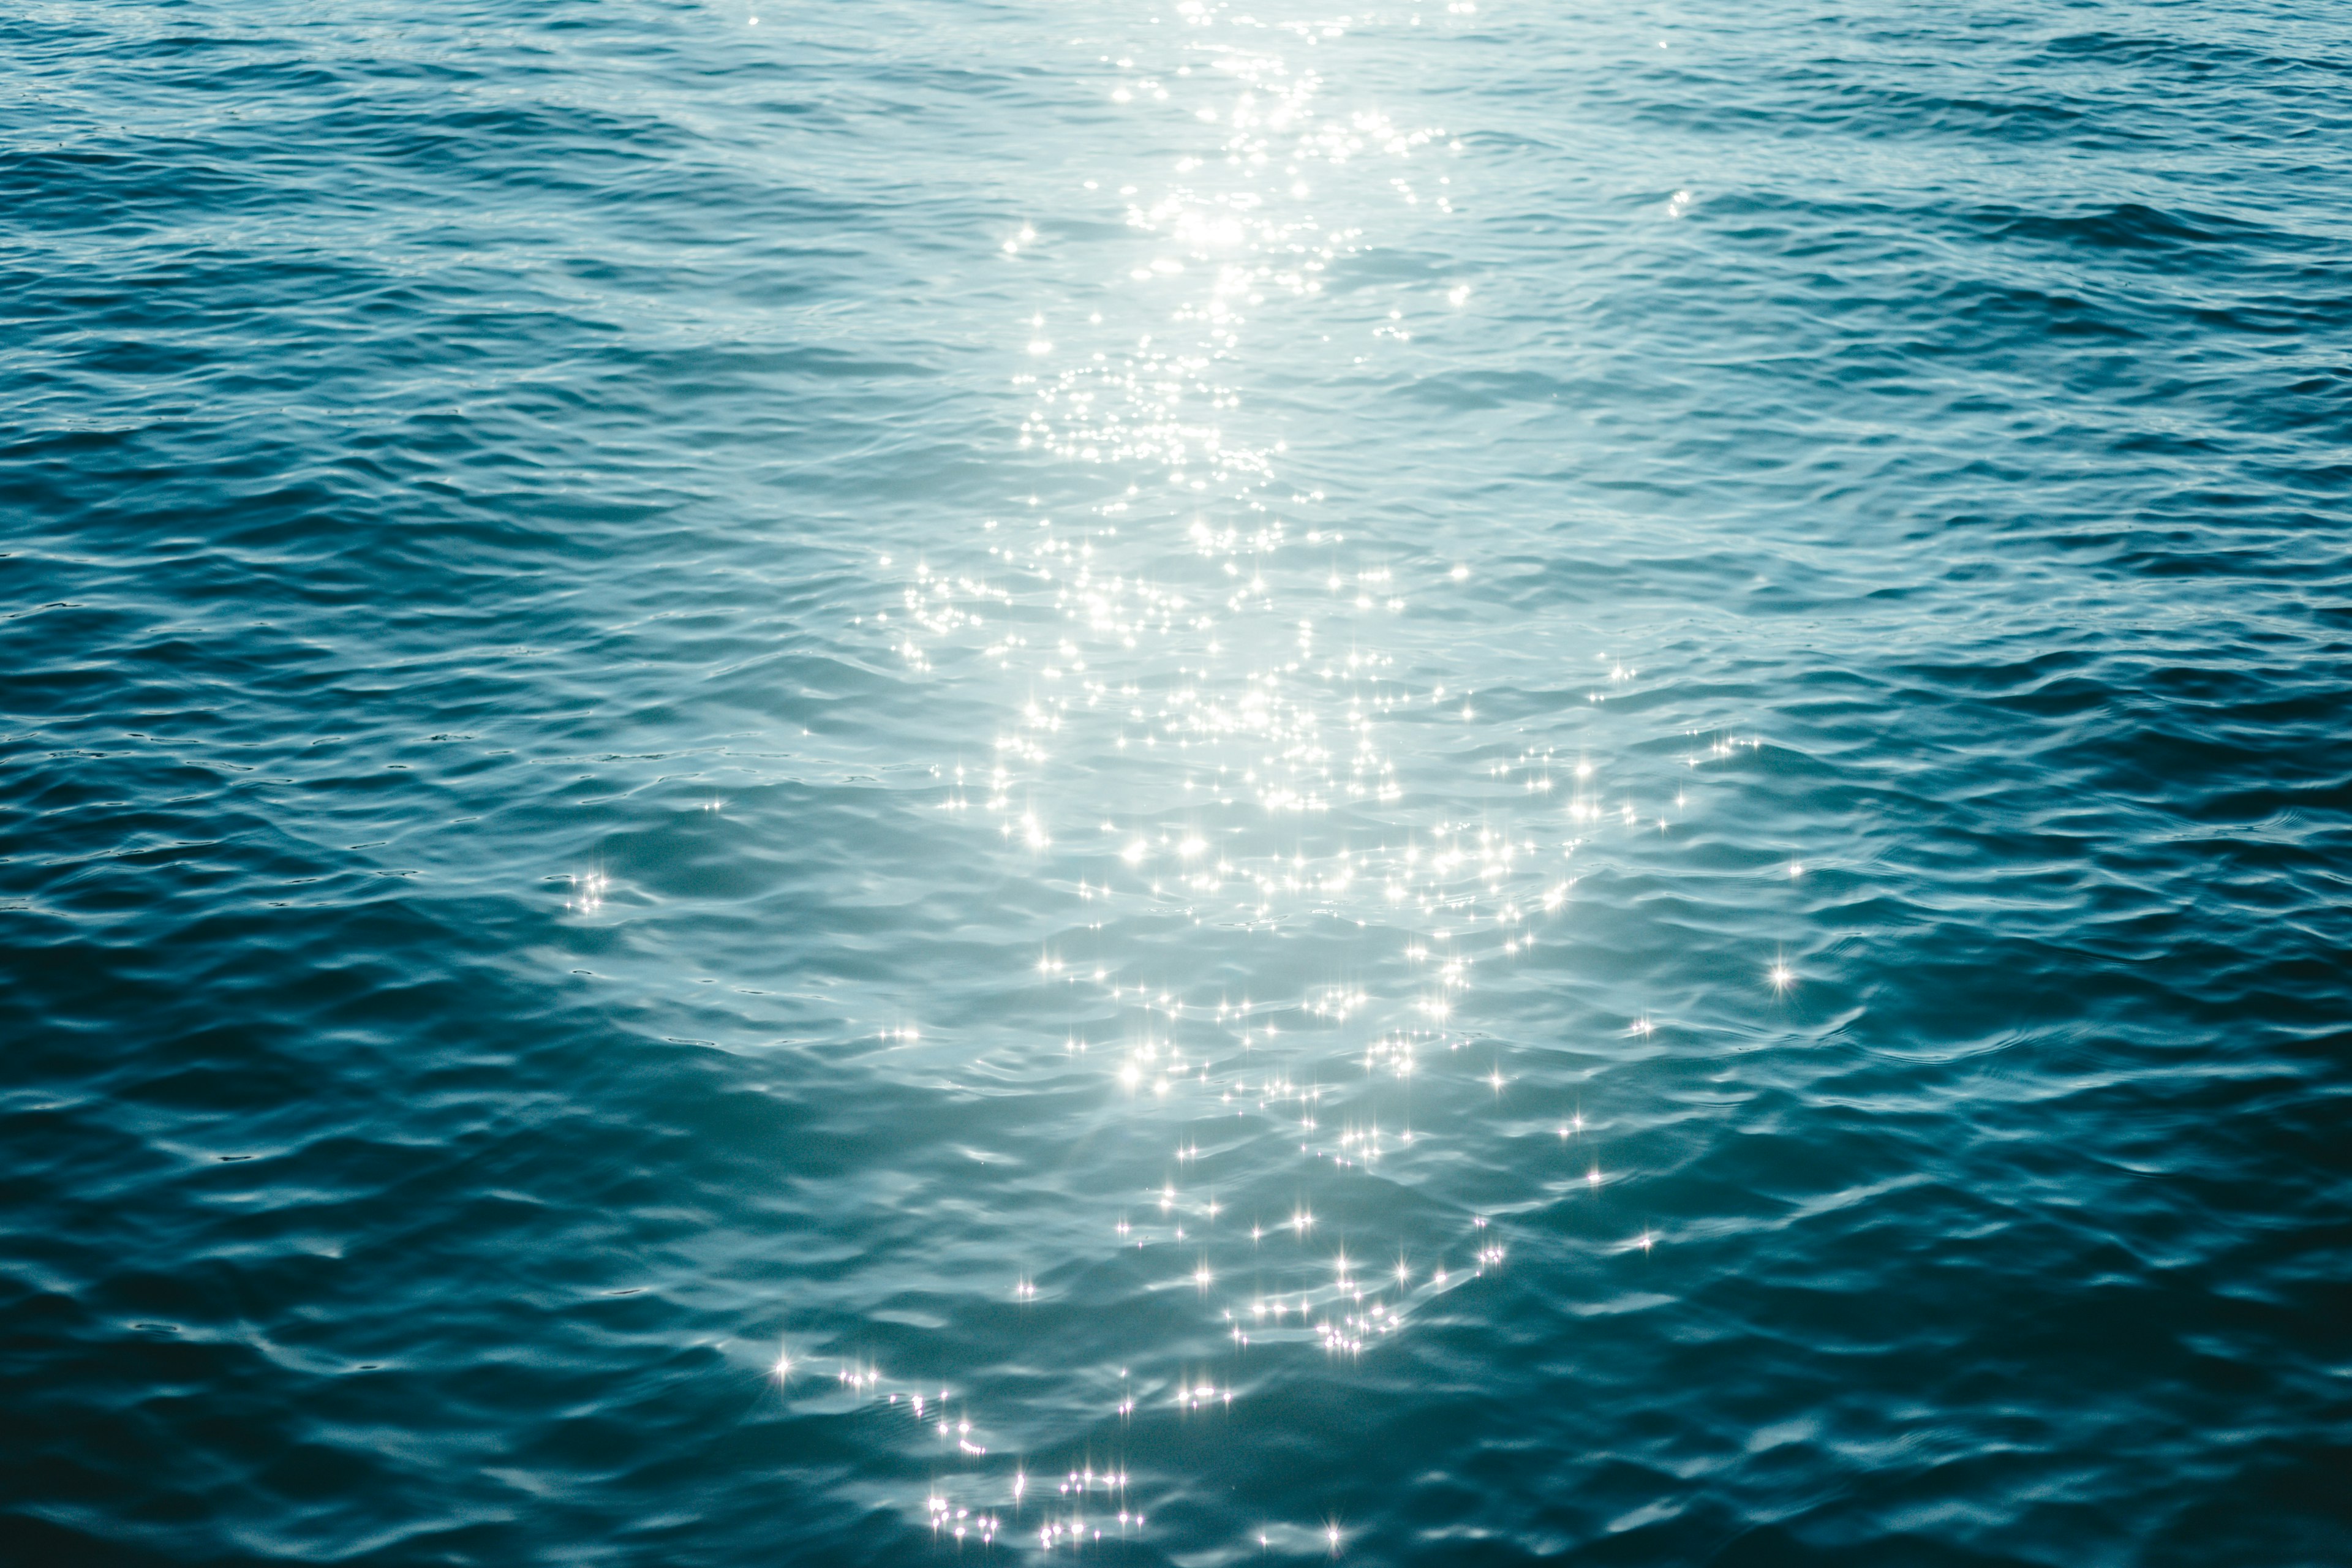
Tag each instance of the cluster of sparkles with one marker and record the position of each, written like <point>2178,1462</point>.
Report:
<point>1226,648</point>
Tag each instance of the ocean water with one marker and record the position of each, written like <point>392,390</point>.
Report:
<point>1176,781</point>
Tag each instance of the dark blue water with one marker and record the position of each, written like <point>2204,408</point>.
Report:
<point>1189,782</point>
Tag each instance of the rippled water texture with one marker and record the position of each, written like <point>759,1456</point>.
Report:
<point>1182,782</point>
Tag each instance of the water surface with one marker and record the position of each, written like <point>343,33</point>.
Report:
<point>1182,782</point>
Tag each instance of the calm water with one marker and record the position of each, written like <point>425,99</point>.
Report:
<point>1182,781</point>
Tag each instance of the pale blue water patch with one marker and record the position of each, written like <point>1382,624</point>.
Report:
<point>1187,783</point>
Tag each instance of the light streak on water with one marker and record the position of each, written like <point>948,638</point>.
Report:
<point>1182,605</point>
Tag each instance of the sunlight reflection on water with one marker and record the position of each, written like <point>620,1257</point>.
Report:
<point>1171,610</point>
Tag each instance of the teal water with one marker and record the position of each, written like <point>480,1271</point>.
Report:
<point>1186,783</point>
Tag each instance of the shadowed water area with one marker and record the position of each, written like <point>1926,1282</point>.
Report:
<point>1178,781</point>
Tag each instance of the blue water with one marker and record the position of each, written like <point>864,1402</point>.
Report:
<point>1184,783</point>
